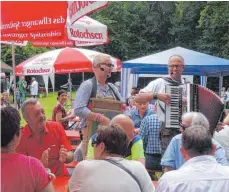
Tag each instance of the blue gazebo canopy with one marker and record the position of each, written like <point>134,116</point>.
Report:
<point>196,63</point>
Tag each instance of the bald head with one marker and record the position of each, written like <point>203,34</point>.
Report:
<point>125,123</point>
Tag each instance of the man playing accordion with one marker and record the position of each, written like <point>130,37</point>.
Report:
<point>94,88</point>
<point>157,90</point>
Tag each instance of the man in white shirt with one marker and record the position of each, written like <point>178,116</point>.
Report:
<point>223,138</point>
<point>201,172</point>
<point>156,90</point>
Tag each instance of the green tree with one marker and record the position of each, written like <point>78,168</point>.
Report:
<point>21,53</point>
<point>214,29</point>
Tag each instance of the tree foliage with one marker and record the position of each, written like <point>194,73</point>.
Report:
<point>140,28</point>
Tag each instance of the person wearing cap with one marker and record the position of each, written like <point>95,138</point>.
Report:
<point>34,88</point>
<point>59,113</point>
<point>172,159</point>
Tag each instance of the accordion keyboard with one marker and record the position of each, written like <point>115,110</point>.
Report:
<point>173,111</point>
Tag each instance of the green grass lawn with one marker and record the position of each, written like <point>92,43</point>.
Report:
<point>48,104</point>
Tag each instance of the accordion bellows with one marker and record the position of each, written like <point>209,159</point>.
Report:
<point>199,99</point>
<point>210,105</point>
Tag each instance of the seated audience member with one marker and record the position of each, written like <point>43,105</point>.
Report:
<point>47,141</point>
<point>131,104</point>
<point>150,134</point>
<point>109,170</point>
<point>138,114</point>
<point>19,172</point>
<point>59,114</point>
<point>5,100</point>
<point>223,138</point>
<point>200,172</point>
<point>226,120</point>
<point>134,91</point>
<point>135,148</point>
<point>172,159</point>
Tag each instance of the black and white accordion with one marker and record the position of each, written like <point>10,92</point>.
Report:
<point>199,99</point>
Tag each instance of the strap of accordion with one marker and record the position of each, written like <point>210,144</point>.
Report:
<point>171,81</point>
<point>116,96</point>
<point>94,88</point>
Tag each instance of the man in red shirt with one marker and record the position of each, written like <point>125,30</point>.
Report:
<point>46,141</point>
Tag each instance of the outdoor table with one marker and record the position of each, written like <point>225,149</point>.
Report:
<point>60,184</point>
<point>72,135</point>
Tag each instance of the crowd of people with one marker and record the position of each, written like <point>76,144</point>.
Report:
<point>125,151</point>
<point>21,89</point>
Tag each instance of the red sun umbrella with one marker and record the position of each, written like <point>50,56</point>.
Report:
<point>29,20</point>
<point>62,61</point>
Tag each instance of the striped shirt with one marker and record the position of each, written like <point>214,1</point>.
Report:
<point>83,96</point>
<point>150,134</point>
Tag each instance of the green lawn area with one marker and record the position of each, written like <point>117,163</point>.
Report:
<point>48,104</point>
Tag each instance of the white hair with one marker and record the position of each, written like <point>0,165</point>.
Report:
<point>196,118</point>
<point>100,58</point>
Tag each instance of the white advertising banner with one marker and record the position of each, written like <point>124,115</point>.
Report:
<point>87,29</point>
<point>77,9</point>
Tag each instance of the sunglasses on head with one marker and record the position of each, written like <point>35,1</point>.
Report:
<point>94,140</point>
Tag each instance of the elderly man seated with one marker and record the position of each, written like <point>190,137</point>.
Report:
<point>135,148</point>
<point>172,159</point>
<point>200,172</point>
<point>110,171</point>
<point>46,141</point>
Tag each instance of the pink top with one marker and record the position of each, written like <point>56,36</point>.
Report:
<point>22,173</point>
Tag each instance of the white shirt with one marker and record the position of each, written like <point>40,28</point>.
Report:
<point>34,88</point>
<point>158,86</point>
<point>223,138</point>
<point>102,176</point>
<point>199,174</point>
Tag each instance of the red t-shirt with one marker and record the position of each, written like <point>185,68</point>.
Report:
<point>59,109</point>
<point>22,173</point>
<point>53,137</point>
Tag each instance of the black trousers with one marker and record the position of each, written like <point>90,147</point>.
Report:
<point>166,134</point>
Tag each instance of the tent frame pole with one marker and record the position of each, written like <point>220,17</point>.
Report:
<point>14,74</point>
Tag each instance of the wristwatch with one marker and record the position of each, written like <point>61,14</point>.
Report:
<point>155,97</point>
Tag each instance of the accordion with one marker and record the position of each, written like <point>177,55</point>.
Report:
<point>106,106</point>
<point>199,99</point>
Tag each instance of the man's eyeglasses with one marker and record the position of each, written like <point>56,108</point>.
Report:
<point>183,126</point>
<point>176,66</point>
<point>107,64</point>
